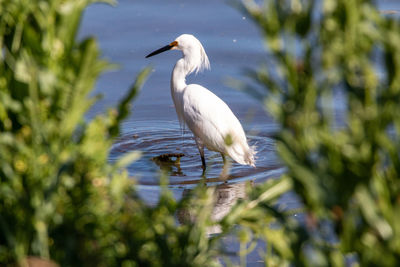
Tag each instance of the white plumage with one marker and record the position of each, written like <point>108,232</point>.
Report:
<point>209,118</point>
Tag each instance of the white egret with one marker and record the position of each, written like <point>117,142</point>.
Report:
<point>209,118</point>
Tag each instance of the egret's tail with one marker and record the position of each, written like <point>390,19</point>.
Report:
<point>242,153</point>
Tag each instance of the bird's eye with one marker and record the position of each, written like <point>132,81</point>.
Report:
<point>174,43</point>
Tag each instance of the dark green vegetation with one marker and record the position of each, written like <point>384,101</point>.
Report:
<point>343,154</point>
<point>61,200</point>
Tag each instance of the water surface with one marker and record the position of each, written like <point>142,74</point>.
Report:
<point>133,29</point>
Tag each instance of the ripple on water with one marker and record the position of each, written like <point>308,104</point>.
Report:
<point>157,138</point>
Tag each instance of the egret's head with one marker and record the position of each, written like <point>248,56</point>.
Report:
<point>193,52</point>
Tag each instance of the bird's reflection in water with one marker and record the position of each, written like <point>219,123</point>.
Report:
<point>225,196</point>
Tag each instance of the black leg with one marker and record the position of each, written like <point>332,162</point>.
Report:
<point>200,146</point>
<point>203,162</point>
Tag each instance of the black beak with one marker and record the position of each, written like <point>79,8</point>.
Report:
<point>162,49</point>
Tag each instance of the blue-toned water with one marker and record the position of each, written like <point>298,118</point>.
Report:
<point>133,29</point>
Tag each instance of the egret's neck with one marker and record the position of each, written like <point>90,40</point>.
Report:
<point>178,81</point>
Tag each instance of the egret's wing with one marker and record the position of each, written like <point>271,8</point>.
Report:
<point>209,117</point>
<point>211,120</point>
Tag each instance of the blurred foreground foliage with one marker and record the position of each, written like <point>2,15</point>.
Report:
<point>332,82</point>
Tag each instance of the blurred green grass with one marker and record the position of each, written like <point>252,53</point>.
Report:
<point>342,158</point>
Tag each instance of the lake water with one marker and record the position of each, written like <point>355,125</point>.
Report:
<point>131,30</point>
